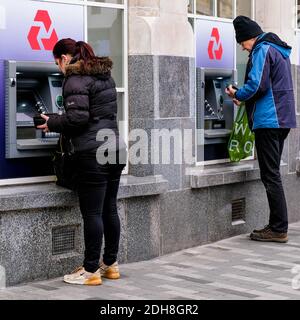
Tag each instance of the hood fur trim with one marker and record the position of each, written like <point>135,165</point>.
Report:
<point>99,65</point>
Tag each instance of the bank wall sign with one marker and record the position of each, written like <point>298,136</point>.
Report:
<point>43,17</point>
<point>32,28</point>
<point>215,44</point>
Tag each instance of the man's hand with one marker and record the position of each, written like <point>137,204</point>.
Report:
<point>44,126</point>
<point>230,91</point>
<point>237,102</point>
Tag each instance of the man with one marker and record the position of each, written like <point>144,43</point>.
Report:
<point>270,105</point>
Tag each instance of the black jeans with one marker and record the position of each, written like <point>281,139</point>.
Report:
<point>269,145</point>
<point>97,191</point>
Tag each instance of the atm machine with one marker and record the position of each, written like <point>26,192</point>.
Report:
<point>215,112</point>
<point>31,88</point>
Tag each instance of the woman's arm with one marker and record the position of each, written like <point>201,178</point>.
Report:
<point>76,101</point>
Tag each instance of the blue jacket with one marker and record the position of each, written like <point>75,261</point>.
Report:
<point>268,89</point>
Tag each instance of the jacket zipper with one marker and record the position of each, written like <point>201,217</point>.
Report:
<point>252,116</point>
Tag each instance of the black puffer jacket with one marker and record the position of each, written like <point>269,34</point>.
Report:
<point>90,101</point>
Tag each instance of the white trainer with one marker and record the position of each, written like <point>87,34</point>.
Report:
<point>110,272</point>
<point>83,277</point>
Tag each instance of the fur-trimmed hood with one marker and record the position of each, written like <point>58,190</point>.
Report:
<point>94,67</point>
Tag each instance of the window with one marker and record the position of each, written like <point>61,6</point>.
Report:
<point>106,37</point>
<point>191,6</point>
<point>221,8</point>
<point>244,7</point>
<point>109,1</point>
<point>225,9</point>
<point>205,7</point>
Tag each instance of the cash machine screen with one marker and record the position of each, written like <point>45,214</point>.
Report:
<point>26,110</point>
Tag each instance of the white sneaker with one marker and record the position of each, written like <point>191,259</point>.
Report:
<point>81,276</point>
<point>110,272</point>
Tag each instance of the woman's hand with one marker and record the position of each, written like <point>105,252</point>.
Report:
<point>44,126</point>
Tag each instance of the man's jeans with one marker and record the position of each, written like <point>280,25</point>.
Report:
<point>269,145</point>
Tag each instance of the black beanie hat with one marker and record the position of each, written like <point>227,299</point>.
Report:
<point>245,29</point>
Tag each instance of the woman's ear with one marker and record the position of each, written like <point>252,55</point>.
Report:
<point>65,58</point>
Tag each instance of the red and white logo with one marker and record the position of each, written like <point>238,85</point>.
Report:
<point>42,20</point>
<point>215,48</point>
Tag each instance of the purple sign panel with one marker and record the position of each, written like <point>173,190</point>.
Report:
<point>28,32</point>
<point>30,29</point>
<point>215,44</point>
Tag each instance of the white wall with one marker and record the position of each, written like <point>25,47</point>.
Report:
<point>279,16</point>
<point>160,27</point>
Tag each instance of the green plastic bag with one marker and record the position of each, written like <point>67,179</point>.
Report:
<point>241,142</point>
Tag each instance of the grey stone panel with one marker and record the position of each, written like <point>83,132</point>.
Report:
<point>38,196</point>
<point>122,256</point>
<point>35,196</point>
<point>174,84</point>
<point>220,224</point>
<point>192,68</point>
<point>226,175</point>
<point>291,184</point>
<point>188,123</point>
<point>253,175</point>
<point>141,87</point>
<point>142,170</point>
<point>293,149</point>
<point>183,219</point>
<point>207,180</point>
<point>257,208</point>
<point>172,172</point>
<point>235,177</point>
<point>131,186</point>
<point>143,228</point>
<point>26,244</point>
<point>298,89</point>
<point>175,174</point>
<point>219,212</point>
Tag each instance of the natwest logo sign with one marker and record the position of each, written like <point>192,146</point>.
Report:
<point>215,48</point>
<point>42,23</point>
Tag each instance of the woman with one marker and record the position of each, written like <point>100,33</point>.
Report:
<point>90,101</point>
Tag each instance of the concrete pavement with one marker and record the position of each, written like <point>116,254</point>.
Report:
<point>232,269</point>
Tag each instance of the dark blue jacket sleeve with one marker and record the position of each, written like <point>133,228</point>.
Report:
<point>259,76</point>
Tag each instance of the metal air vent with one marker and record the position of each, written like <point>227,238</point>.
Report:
<point>238,210</point>
<point>63,239</point>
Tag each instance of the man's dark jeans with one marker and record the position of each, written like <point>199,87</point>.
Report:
<point>269,146</point>
<point>97,191</point>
